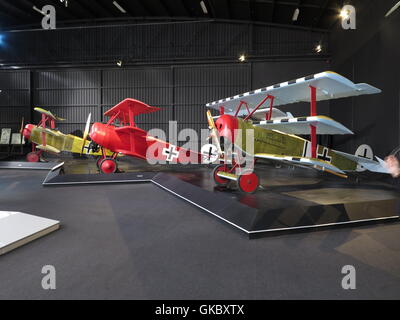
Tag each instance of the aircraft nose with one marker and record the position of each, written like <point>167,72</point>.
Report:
<point>96,133</point>
<point>28,131</point>
<point>226,126</point>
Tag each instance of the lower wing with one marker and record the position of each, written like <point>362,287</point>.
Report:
<point>303,162</point>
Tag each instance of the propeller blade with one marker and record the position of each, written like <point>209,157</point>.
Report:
<point>22,126</point>
<point>86,132</point>
<point>213,132</point>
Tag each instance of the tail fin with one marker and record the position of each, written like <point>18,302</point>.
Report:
<point>364,158</point>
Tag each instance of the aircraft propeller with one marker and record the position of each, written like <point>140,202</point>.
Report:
<point>86,132</point>
<point>214,136</point>
<point>22,129</point>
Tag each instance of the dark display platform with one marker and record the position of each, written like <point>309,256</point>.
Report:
<point>294,200</point>
<point>27,165</point>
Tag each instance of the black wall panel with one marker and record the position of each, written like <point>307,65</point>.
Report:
<point>14,98</point>
<point>370,54</point>
<point>70,94</point>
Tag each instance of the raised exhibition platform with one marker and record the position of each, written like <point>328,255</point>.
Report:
<point>28,165</point>
<point>299,205</point>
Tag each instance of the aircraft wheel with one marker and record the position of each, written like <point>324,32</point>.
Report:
<point>33,157</point>
<point>218,180</point>
<point>98,161</point>
<point>108,166</point>
<point>248,182</point>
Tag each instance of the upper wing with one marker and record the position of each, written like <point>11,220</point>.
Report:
<point>329,86</point>
<point>324,125</point>
<point>303,161</point>
<point>49,114</point>
<point>129,107</point>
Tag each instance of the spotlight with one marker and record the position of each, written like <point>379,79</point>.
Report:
<point>396,6</point>
<point>242,58</point>
<point>296,14</point>
<point>119,63</point>
<point>203,7</point>
<point>318,48</point>
<point>65,2</point>
<point>345,14</point>
<point>115,3</point>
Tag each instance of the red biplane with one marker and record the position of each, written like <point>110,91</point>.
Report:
<point>126,138</point>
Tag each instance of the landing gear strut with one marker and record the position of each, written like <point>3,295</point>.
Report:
<point>246,181</point>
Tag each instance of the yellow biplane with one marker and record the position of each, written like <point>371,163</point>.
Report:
<point>46,138</point>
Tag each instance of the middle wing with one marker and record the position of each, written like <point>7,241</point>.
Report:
<point>301,126</point>
<point>303,161</point>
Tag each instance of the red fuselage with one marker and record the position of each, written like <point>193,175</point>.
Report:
<point>135,142</point>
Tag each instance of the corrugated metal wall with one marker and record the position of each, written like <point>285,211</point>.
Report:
<point>181,91</point>
<point>14,99</point>
<point>68,94</point>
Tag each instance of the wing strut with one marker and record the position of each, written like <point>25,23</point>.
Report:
<point>260,104</point>
<point>313,129</point>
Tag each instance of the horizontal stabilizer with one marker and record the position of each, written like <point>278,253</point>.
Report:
<point>371,165</point>
<point>324,125</point>
<point>302,161</point>
<point>329,85</point>
<point>48,148</point>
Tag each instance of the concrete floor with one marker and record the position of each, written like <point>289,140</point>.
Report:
<point>136,241</point>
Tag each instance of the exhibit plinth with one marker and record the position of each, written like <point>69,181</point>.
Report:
<point>298,206</point>
<point>28,165</point>
<point>18,228</point>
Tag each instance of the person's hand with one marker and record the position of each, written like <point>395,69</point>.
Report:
<point>392,164</point>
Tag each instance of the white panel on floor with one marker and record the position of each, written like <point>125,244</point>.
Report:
<point>17,229</point>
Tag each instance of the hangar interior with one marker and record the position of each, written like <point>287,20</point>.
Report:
<point>135,241</point>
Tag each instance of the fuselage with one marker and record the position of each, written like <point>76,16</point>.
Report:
<point>275,142</point>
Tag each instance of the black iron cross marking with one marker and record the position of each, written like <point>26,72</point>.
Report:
<point>171,153</point>
<point>324,156</point>
<point>364,155</point>
<point>87,149</point>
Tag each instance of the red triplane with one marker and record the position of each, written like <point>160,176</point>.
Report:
<point>127,139</point>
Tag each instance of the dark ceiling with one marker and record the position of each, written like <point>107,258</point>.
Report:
<point>321,14</point>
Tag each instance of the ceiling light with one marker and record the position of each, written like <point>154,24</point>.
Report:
<point>65,2</point>
<point>115,3</point>
<point>242,58</point>
<point>296,14</point>
<point>396,6</point>
<point>203,7</point>
<point>119,63</point>
<point>38,10</point>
